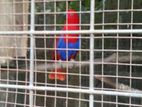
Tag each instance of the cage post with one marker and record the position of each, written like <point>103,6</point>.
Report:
<point>32,21</point>
<point>91,81</point>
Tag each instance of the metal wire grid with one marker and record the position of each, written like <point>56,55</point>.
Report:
<point>110,49</point>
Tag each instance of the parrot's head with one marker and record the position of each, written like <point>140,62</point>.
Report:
<point>72,23</point>
<point>72,17</point>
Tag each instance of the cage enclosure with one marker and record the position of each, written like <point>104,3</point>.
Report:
<point>70,53</point>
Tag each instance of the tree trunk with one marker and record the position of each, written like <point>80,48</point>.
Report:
<point>11,45</point>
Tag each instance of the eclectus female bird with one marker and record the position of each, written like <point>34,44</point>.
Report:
<point>67,44</point>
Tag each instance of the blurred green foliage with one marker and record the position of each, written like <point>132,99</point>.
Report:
<point>74,5</point>
<point>86,4</point>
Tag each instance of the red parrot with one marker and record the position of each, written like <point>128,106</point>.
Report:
<point>67,44</point>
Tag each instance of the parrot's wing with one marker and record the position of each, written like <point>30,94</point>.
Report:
<point>55,55</point>
<point>73,49</point>
<point>61,48</point>
<point>68,50</point>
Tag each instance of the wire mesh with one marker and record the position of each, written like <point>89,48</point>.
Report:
<point>107,68</point>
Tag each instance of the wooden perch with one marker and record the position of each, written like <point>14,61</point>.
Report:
<point>60,64</point>
<point>122,58</point>
<point>112,58</point>
<point>119,86</point>
<point>70,64</point>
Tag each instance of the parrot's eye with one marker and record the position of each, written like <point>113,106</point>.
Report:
<point>71,14</point>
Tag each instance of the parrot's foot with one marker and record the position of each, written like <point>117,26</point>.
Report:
<point>58,74</point>
<point>60,61</point>
<point>72,60</point>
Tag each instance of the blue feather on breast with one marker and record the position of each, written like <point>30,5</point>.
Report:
<point>66,51</point>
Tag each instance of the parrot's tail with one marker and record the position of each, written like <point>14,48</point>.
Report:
<point>58,74</point>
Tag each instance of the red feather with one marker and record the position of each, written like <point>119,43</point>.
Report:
<point>72,23</point>
<point>58,73</point>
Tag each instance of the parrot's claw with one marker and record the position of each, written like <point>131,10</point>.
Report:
<point>72,60</point>
<point>60,61</point>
